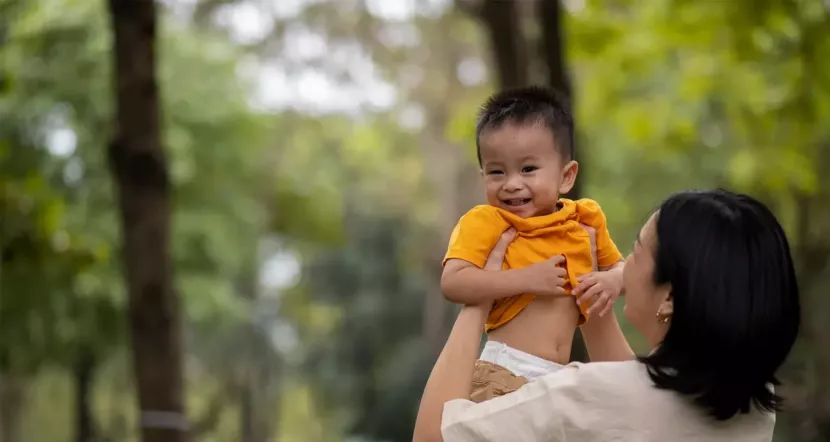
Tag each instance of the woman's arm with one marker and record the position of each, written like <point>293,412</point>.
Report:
<point>605,340</point>
<point>603,337</point>
<point>452,374</point>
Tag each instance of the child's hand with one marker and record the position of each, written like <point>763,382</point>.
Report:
<point>603,288</point>
<point>546,277</point>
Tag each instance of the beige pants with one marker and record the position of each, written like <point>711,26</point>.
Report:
<point>491,380</point>
<point>502,369</point>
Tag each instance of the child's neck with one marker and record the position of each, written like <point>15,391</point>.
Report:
<point>548,211</point>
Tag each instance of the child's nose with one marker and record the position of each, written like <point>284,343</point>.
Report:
<point>513,184</point>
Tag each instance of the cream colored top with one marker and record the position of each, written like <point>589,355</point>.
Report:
<point>601,401</point>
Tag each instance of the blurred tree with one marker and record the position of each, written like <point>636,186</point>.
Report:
<point>140,170</point>
<point>503,23</point>
<point>59,90</point>
<point>43,253</point>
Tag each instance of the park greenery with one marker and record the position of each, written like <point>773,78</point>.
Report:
<point>319,154</point>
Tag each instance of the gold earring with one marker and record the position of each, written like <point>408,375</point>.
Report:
<point>662,319</point>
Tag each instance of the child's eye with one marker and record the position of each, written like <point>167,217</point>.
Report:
<point>529,169</point>
<point>494,172</point>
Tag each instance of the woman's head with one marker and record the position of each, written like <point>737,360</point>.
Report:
<point>711,285</point>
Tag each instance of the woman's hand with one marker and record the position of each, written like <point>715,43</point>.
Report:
<point>592,235</point>
<point>495,261</point>
<point>496,258</point>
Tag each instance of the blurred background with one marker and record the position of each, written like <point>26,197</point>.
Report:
<point>319,153</point>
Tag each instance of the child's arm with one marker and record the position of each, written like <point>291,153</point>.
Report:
<point>464,283</point>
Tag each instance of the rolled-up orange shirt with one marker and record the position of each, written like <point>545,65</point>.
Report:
<point>539,238</point>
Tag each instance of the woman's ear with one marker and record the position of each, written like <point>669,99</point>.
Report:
<point>667,301</point>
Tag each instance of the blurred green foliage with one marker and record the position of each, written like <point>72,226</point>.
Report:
<point>670,94</point>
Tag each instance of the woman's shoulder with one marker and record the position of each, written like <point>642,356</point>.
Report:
<point>601,380</point>
<point>623,393</point>
<point>602,372</point>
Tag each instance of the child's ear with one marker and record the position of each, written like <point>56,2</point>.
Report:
<point>569,173</point>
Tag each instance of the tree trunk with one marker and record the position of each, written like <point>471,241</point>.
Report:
<point>247,414</point>
<point>553,52</point>
<point>445,158</point>
<point>139,167</point>
<point>510,53</point>
<point>553,45</point>
<point>84,371</point>
<point>11,404</point>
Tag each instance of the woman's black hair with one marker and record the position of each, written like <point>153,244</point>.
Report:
<point>736,310</point>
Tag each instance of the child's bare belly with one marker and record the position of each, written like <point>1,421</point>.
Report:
<point>544,328</point>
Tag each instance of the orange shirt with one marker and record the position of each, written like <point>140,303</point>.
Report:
<point>539,238</point>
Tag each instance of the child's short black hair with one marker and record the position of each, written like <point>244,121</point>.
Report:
<point>529,105</point>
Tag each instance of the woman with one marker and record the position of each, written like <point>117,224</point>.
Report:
<point>710,284</point>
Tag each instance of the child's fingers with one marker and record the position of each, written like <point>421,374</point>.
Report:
<point>609,306</point>
<point>590,294</point>
<point>557,259</point>
<point>584,276</point>
<point>580,288</point>
<point>599,304</point>
<point>586,281</point>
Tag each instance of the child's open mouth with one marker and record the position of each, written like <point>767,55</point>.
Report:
<point>516,202</point>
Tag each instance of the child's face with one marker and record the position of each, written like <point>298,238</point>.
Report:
<point>524,171</point>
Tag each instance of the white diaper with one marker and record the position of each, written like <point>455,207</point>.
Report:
<point>520,363</point>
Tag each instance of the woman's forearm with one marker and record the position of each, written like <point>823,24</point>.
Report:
<point>605,340</point>
<point>603,336</point>
<point>452,376</point>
